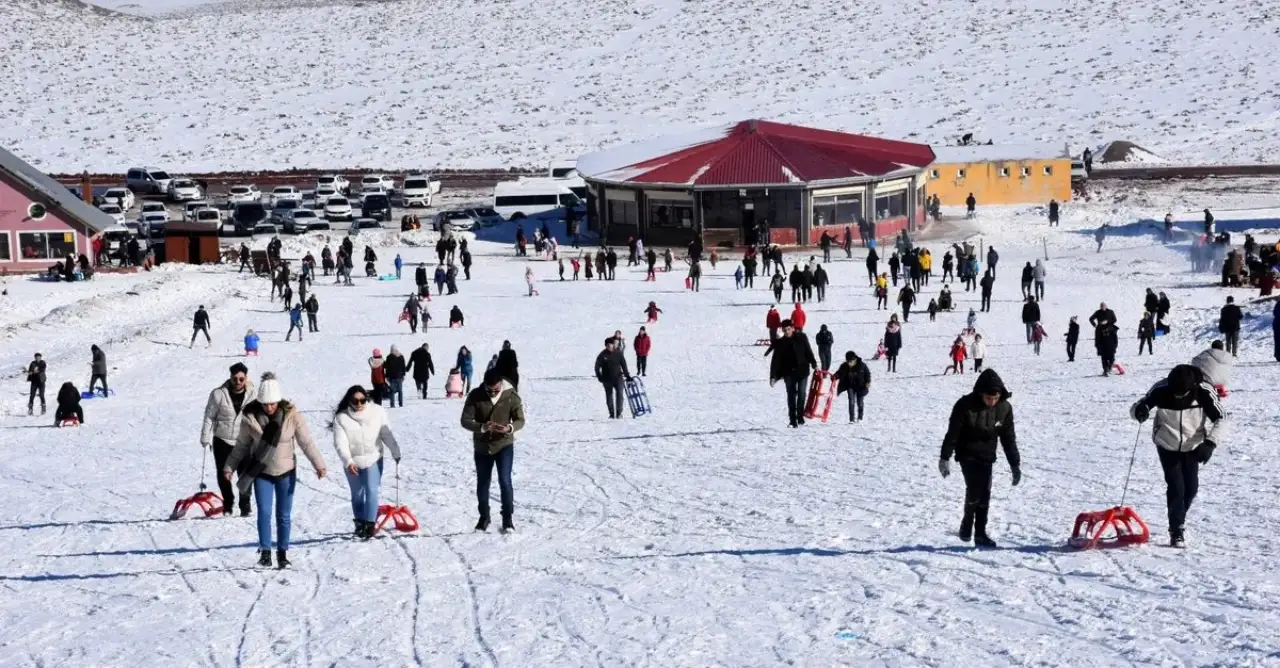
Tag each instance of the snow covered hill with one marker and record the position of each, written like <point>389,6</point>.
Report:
<point>421,83</point>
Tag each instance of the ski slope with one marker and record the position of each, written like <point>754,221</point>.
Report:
<point>706,534</point>
<point>273,84</point>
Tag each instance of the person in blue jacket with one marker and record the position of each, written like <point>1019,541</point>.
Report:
<point>399,265</point>
<point>250,342</point>
<point>465,367</point>
<point>295,321</point>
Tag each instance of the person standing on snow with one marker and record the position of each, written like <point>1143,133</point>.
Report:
<point>1073,337</point>
<point>853,377</point>
<point>455,317</point>
<point>820,282</point>
<point>1037,336</point>
<point>395,369</point>
<point>508,365</point>
<point>1039,273</point>
<point>777,283</point>
<point>1146,333</point>
<point>420,278</point>
<point>36,377</point>
<point>493,413</point>
<point>413,309</point>
<point>1053,213</point>
<point>1150,302</point>
<point>98,369</point>
<point>221,427</point>
<point>611,370</point>
<point>892,343</point>
<point>313,307</point>
<point>906,297</point>
<point>422,367</point>
<point>378,377</point>
<point>792,360</point>
<point>200,323</point>
<point>873,265</point>
<point>798,317</point>
<point>895,264</point>
<point>399,263</point>
<point>825,341</point>
<point>1105,336</point>
<point>271,429</point>
<point>1189,421</point>
<point>773,321</point>
<point>360,431</point>
<point>528,279</point>
<point>1229,325</point>
<point>1030,315</point>
<point>977,351</point>
<point>970,206</point>
<point>1028,276</point>
<point>465,366</point>
<point>295,322</point>
<point>978,420</point>
<point>641,345</point>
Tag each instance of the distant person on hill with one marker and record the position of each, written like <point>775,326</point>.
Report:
<point>1053,212</point>
<point>971,206</point>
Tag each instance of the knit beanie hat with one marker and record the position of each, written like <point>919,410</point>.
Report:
<point>377,352</point>
<point>269,390</point>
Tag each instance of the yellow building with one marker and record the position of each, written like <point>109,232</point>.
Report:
<point>999,175</point>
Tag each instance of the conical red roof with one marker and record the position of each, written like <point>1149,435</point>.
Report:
<point>755,152</point>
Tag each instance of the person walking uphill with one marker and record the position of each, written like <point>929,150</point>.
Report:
<point>825,340</point>
<point>1038,273</point>
<point>508,366</point>
<point>395,369</point>
<point>611,370</point>
<point>421,365</point>
<point>221,428</point>
<point>378,377</point>
<point>36,376</point>
<point>360,430</point>
<point>271,429</point>
<point>792,360</point>
<point>200,323</point>
<point>1229,325</point>
<point>1188,424</point>
<point>493,413</point>
<point>1030,315</point>
<point>98,370</point>
<point>978,420</point>
<point>853,377</point>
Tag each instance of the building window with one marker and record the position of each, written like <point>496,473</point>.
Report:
<point>622,212</point>
<point>891,205</point>
<point>666,213</point>
<point>933,174</point>
<point>1004,172</point>
<point>6,254</point>
<point>1048,170</point>
<point>46,245</point>
<point>960,173</point>
<point>837,211</point>
<point>1026,171</point>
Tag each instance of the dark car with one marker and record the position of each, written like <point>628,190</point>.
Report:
<point>376,206</point>
<point>245,216</point>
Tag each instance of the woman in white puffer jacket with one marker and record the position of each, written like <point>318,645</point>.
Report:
<point>360,430</point>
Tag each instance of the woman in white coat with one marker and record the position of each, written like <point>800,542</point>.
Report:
<point>360,430</point>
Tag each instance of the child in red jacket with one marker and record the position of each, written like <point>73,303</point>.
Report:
<point>798,318</point>
<point>641,345</point>
<point>958,355</point>
<point>652,311</point>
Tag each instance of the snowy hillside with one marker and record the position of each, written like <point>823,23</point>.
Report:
<point>706,534</point>
<point>421,83</point>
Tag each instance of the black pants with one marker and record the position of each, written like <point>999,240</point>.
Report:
<point>822,292</point>
<point>871,274</point>
<point>1232,339</point>
<point>977,496</point>
<point>855,401</point>
<point>795,293</point>
<point>948,274</point>
<point>1071,351</point>
<point>892,359</point>
<point>421,384</point>
<point>196,333</point>
<point>1039,291</point>
<point>824,358</point>
<point>1145,341</point>
<point>986,303</point>
<point>221,451</point>
<point>795,397</point>
<point>37,389</point>
<point>613,397</point>
<point>749,281</point>
<point>1026,289</point>
<point>642,364</point>
<point>777,295</point>
<point>68,412</point>
<point>99,377</point>
<point>906,312</point>
<point>293,326</point>
<point>311,323</point>
<point>977,364</point>
<point>1182,478</point>
<point>1107,364</point>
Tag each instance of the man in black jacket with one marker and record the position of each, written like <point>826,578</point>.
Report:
<point>36,377</point>
<point>993,258</point>
<point>855,378</point>
<point>1229,324</point>
<point>988,281</point>
<point>611,371</point>
<point>421,365</point>
<point>200,323</point>
<point>1028,275</point>
<point>978,419</point>
<point>820,282</point>
<point>873,266</point>
<point>792,360</point>
<point>1030,315</point>
<point>508,366</point>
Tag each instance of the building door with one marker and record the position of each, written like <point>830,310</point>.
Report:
<point>750,235</point>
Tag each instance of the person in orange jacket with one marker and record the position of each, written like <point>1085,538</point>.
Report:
<point>774,322</point>
<point>798,317</point>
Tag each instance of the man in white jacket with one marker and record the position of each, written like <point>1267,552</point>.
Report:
<point>222,426</point>
<point>1188,423</point>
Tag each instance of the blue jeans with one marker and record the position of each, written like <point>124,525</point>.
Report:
<point>397,390</point>
<point>364,491</point>
<point>277,491</point>
<point>484,476</point>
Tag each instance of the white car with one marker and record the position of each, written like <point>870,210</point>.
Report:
<point>154,222</point>
<point>417,190</point>
<point>335,181</point>
<point>121,196</point>
<point>184,190</point>
<point>114,211</point>
<point>191,207</point>
<point>323,193</point>
<point>244,194</point>
<point>337,208</point>
<point>154,207</point>
<point>280,193</point>
<point>208,215</point>
<point>379,181</point>
<point>297,221</point>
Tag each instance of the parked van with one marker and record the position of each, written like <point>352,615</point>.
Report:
<point>514,200</point>
<point>563,169</point>
<point>148,181</point>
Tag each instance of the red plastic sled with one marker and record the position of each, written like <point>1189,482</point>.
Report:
<point>822,386</point>
<point>209,502</point>
<point>400,517</point>
<point>69,422</point>
<point>1115,527</point>
<point>1119,369</point>
<point>688,283</point>
<point>404,316</point>
<point>250,353</point>
<point>763,342</point>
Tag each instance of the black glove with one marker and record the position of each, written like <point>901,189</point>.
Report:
<point>1141,413</point>
<point>1017,475</point>
<point>1205,451</point>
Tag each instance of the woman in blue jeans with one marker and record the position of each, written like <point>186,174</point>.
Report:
<point>466,367</point>
<point>360,429</point>
<point>271,429</point>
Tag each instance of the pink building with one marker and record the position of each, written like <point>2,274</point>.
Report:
<point>41,222</point>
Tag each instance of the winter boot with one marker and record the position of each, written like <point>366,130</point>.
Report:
<point>282,560</point>
<point>246,511</point>
<point>359,532</point>
<point>368,530</point>
<point>483,524</point>
<point>982,540</point>
<point>1176,538</point>
<point>264,558</point>
<point>507,526</point>
<point>966,527</point>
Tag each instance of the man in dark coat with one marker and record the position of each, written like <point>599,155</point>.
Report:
<point>421,366</point>
<point>895,264</point>
<point>1105,336</point>
<point>1151,303</point>
<point>1030,315</point>
<point>820,281</point>
<point>1028,275</point>
<point>978,420</point>
<point>98,370</point>
<point>853,377</point>
<point>993,258</point>
<point>906,297</point>
<point>1053,212</point>
<point>873,266</point>
<point>611,371</point>
<point>36,375</point>
<point>200,323</point>
<point>1229,324</point>
<point>508,366</point>
<point>792,360</point>
<point>988,281</point>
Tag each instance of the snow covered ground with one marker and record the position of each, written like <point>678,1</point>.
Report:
<point>706,534</point>
<point>419,83</point>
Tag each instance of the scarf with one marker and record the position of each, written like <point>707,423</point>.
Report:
<point>262,451</point>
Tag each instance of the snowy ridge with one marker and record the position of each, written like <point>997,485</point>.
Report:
<point>1079,73</point>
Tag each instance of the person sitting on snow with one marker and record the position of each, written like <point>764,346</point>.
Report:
<point>68,405</point>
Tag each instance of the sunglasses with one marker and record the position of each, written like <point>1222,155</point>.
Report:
<point>239,379</point>
<point>359,401</point>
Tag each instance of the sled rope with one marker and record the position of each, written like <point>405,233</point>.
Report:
<point>1137,439</point>
<point>204,458</point>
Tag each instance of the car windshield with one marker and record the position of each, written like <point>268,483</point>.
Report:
<point>182,183</point>
<point>303,213</point>
<point>287,204</point>
<point>337,201</point>
<point>251,211</point>
<point>376,200</point>
<point>116,192</point>
<point>239,190</point>
<point>371,179</point>
<point>160,176</point>
<point>153,206</point>
<point>325,180</point>
<point>415,184</point>
<point>283,190</point>
<point>110,208</point>
<point>485,211</point>
<point>201,215</point>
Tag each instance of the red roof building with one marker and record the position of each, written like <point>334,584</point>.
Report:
<point>733,185</point>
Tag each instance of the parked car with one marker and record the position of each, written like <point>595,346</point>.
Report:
<point>247,215</point>
<point>240,194</point>
<point>184,190</point>
<point>123,197</point>
<point>322,195</point>
<point>114,211</point>
<point>295,221</point>
<point>281,208</point>
<point>376,206</point>
<point>363,224</point>
<point>153,207</point>
<point>456,219</point>
<point>148,181</point>
<point>484,216</point>
<point>207,215</point>
<point>191,207</point>
<point>417,190</point>
<point>115,238</point>
<point>1078,171</point>
<point>308,199</point>
<point>154,222</point>
<point>264,228</point>
<point>377,181</point>
<point>335,181</point>
<point>284,192</point>
<point>337,208</point>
